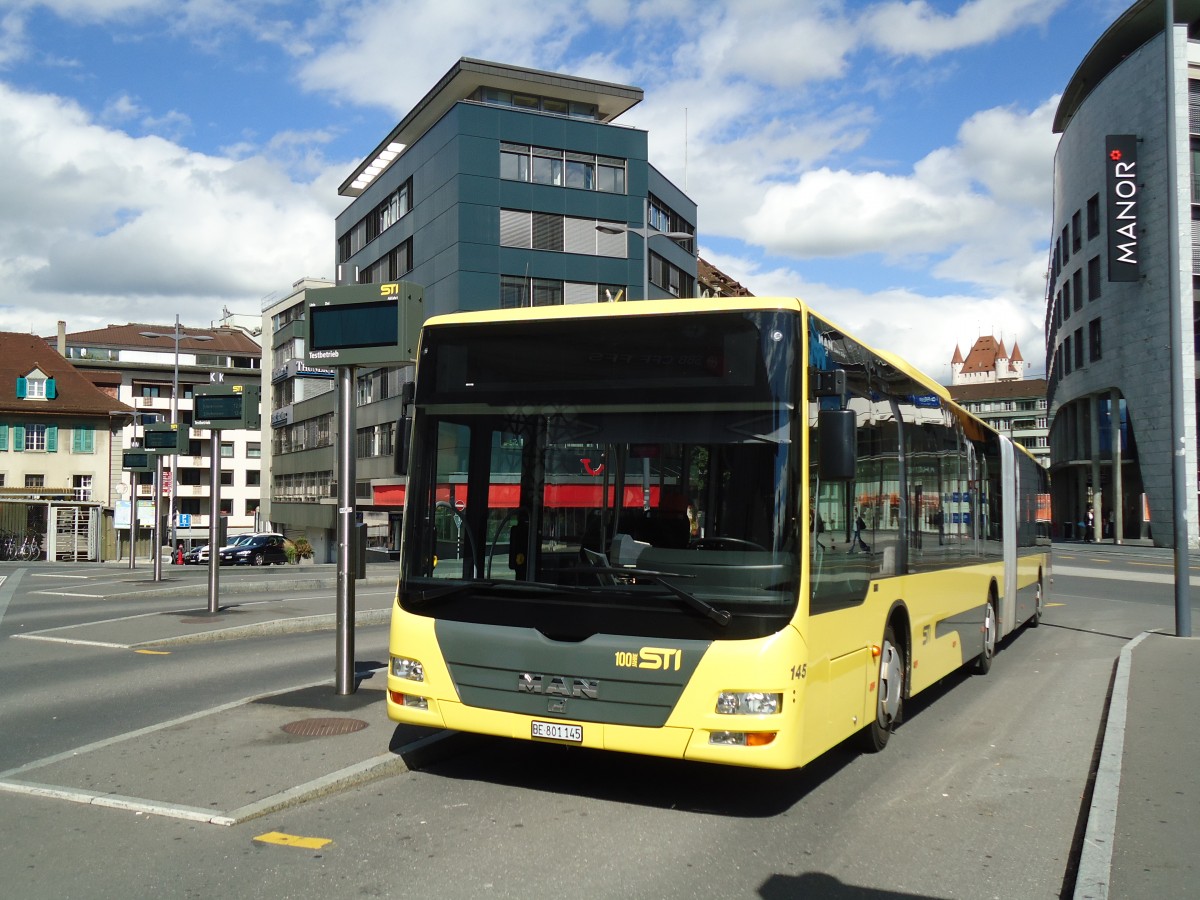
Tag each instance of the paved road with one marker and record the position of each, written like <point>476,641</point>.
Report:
<point>982,793</point>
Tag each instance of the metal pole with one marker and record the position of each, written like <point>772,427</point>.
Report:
<point>1118,488</point>
<point>1179,483</point>
<point>645,232</point>
<point>175,422</point>
<point>214,519</point>
<point>345,532</point>
<point>132,518</point>
<point>156,549</point>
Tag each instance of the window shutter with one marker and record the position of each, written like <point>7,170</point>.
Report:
<point>3,437</point>
<point>19,436</point>
<point>51,389</point>
<point>547,231</point>
<point>21,387</point>
<point>51,438</point>
<point>83,439</point>
<point>515,228</point>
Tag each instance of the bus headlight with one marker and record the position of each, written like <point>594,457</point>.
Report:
<point>408,669</point>
<point>410,700</point>
<point>748,703</point>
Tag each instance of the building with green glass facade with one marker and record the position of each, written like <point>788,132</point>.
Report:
<point>502,187</point>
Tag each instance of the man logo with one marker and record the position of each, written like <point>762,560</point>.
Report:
<point>558,685</point>
<point>389,290</point>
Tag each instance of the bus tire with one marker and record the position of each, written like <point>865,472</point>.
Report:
<point>889,703</point>
<point>987,634</point>
<point>1036,619</point>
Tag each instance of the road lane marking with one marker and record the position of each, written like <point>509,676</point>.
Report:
<point>293,840</point>
<point>1110,575</point>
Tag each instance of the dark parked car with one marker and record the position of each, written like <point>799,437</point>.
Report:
<point>197,556</point>
<point>256,550</point>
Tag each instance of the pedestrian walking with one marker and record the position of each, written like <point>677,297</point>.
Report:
<point>857,542</point>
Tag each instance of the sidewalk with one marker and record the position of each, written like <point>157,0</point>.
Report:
<point>1143,831</point>
<point>247,758</point>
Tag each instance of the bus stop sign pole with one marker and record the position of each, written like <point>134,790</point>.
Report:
<point>347,473</point>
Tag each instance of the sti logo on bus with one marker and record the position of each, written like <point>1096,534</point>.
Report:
<point>389,290</point>
<point>650,658</point>
<point>1121,163</point>
<point>562,686</point>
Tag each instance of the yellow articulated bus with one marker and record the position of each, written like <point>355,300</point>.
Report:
<point>718,530</point>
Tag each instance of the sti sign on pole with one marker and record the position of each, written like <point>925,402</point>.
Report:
<point>364,324</point>
<point>370,325</point>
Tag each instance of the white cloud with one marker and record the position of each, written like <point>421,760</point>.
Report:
<point>115,228</point>
<point>370,65</point>
<point>989,191</point>
<point>917,29</point>
<point>922,328</point>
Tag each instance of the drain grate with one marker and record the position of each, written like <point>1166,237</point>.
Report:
<point>324,727</point>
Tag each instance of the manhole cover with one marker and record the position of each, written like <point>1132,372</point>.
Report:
<point>325,727</point>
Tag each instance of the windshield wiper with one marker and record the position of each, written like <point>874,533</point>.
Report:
<point>720,616</point>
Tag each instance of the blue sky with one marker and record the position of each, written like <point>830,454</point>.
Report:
<point>888,160</point>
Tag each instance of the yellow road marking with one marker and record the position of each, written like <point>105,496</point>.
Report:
<point>1162,566</point>
<point>153,652</point>
<point>1056,604</point>
<point>293,840</point>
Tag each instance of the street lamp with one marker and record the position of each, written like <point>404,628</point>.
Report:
<point>175,336</point>
<point>646,232</point>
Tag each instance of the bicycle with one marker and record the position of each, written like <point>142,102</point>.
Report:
<point>31,549</point>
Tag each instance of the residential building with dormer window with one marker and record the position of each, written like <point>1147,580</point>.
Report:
<point>60,451</point>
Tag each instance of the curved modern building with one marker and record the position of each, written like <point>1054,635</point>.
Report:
<point>1120,274</point>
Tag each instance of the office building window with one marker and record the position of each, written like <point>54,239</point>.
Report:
<point>1079,347</point>
<point>1077,288</point>
<point>563,168</point>
<point>1093,216</point>
<point>514,162</point>
<point>547,231</point>
<point>1076,233</point>
<point>547,292</point>
<point>514,292</point>
<point>547,166</point>
<point>581,171</point>
<point>610,175</point>
<point>1094,348</point>
<point>1094,279</point>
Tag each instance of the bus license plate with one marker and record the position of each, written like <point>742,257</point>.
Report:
<point>557,731</point>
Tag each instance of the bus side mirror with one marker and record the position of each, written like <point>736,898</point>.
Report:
<point>837,452</point>
<point>403,430</point>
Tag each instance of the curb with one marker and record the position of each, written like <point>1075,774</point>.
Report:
<point>1095,862</point>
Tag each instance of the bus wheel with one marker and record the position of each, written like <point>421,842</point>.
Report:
<point>890,695</point>
<point>983,662</point>
<point>1036,619</point>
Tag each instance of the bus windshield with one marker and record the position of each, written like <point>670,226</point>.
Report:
<point>642,499</point>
